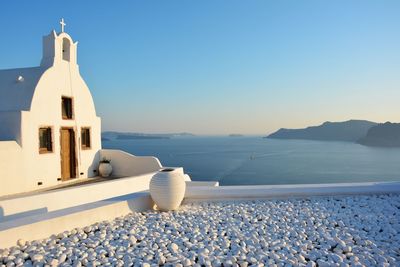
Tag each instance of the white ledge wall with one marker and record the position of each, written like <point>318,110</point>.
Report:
<point>138,170</point>
<point>125,164</point>
<point>217,193</point>
<point>44,225</point>
<point>70,197</point>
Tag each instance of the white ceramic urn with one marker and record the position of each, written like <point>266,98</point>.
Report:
<point>105,169</point>
<point>167,189</point>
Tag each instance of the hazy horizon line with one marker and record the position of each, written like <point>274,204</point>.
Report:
<point>235,133</point>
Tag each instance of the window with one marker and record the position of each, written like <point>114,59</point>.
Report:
<point>67,108</point>
<point>85,138</point>
<point>45,140</point>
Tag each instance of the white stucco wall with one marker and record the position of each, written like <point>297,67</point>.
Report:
<point>11,165</point>
<point>58,81</point>
<point>37,103</point>
<point>125,164</point>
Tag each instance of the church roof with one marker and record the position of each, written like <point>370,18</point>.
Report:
<point>17,87</point>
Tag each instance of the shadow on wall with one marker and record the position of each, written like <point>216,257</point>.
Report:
<point>137,202</point>
<point>141,202</point>
<point>4,218</point>
<point>93,169</point>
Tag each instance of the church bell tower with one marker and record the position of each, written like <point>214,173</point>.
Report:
<point>59,48</point>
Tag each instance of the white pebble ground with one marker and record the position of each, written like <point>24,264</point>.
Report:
<point>321,231</point>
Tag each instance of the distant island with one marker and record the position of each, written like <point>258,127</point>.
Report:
<point>109,136</point>
<point>236,135</point>
<point>138,136</point>
<point>351,131</point>
<point>383,135</point>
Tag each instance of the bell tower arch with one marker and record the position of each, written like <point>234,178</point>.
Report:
<point>58,48</point>
<point>66,49</point>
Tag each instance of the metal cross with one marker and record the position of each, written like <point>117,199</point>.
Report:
<point>62,24</point>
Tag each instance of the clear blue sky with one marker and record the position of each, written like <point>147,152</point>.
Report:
<point>219,67</point>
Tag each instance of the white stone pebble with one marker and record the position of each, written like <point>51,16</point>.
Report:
<point>318,231</point>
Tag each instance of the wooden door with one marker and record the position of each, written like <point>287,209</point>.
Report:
<point>68,163</point>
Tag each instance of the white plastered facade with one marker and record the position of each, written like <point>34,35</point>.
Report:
<point>31,98</point>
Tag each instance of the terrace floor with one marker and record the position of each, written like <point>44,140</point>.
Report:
<point>358,230</point>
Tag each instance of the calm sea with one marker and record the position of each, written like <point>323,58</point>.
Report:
<point>254,160</point>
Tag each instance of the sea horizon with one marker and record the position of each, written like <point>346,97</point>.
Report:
<point>253,160</point>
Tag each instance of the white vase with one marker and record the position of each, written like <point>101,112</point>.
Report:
<point>167,189</point>
<point>105,169</point>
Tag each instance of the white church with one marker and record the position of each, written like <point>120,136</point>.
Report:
<point>49,130</point>
<point>50,153</point>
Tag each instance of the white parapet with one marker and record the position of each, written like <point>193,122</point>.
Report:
<point>201,183</point>
<point>125,164</point>
<point>41,215</point>
<point>136,172</point>
<point>70,197</point>
<point>216,193</point>
<point>46,224</point>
